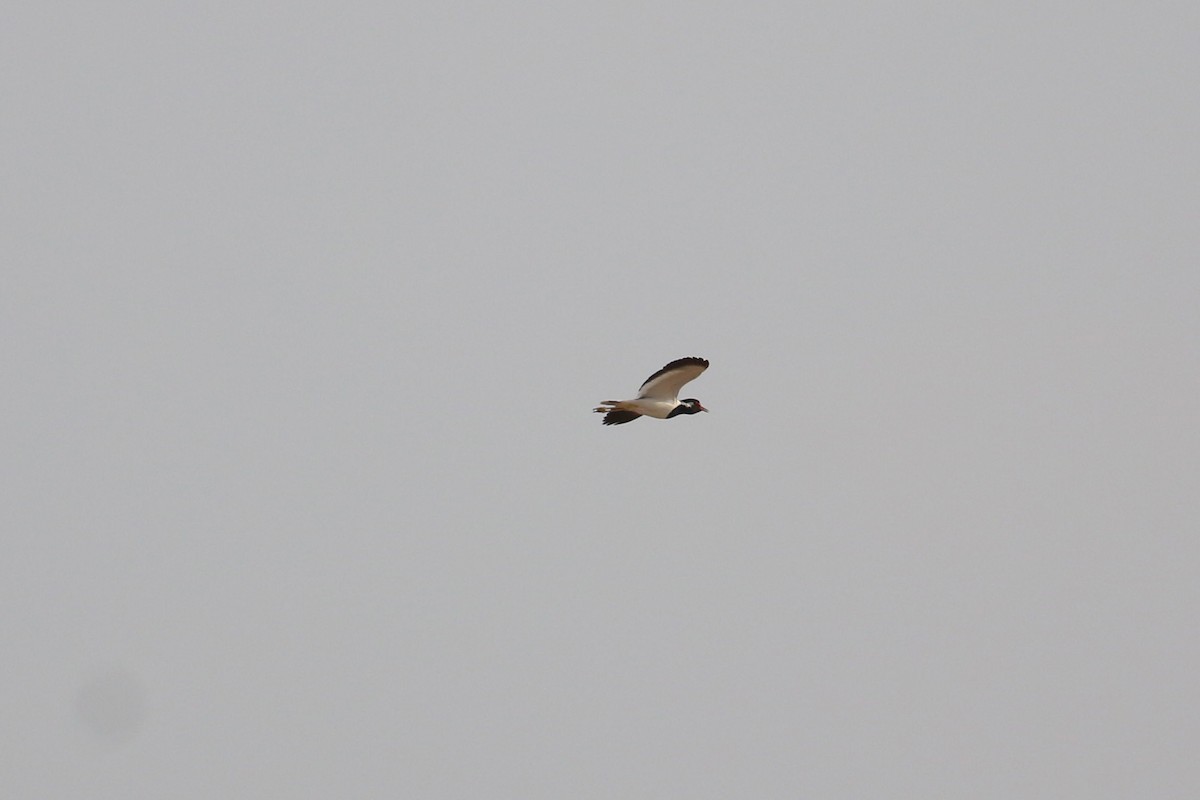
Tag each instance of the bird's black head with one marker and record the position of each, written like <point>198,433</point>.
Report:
<point>689,406</point>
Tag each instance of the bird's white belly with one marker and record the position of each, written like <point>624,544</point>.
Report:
<point>659,409</point>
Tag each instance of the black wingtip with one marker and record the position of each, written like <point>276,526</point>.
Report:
<point>620,417</point>
<point>687,362</point>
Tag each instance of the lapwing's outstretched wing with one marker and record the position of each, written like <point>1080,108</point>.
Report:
<point>619,416</point>
<point>666,383</point>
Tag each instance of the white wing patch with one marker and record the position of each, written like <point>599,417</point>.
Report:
<point>666,383</point>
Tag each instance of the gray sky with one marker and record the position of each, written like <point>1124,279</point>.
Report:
<point>307,307</point>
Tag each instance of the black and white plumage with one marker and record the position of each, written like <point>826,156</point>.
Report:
<point>659,395</point>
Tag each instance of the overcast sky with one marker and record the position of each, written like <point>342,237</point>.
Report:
<point>306,307</point>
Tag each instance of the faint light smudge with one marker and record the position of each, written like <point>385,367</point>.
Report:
<point>111,706</point>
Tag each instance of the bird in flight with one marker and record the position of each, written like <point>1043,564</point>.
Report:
<point>659,395</point>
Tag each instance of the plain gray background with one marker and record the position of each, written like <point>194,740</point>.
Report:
<point>306,307</point>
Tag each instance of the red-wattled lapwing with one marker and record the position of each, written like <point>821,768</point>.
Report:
<point>659,395</point>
